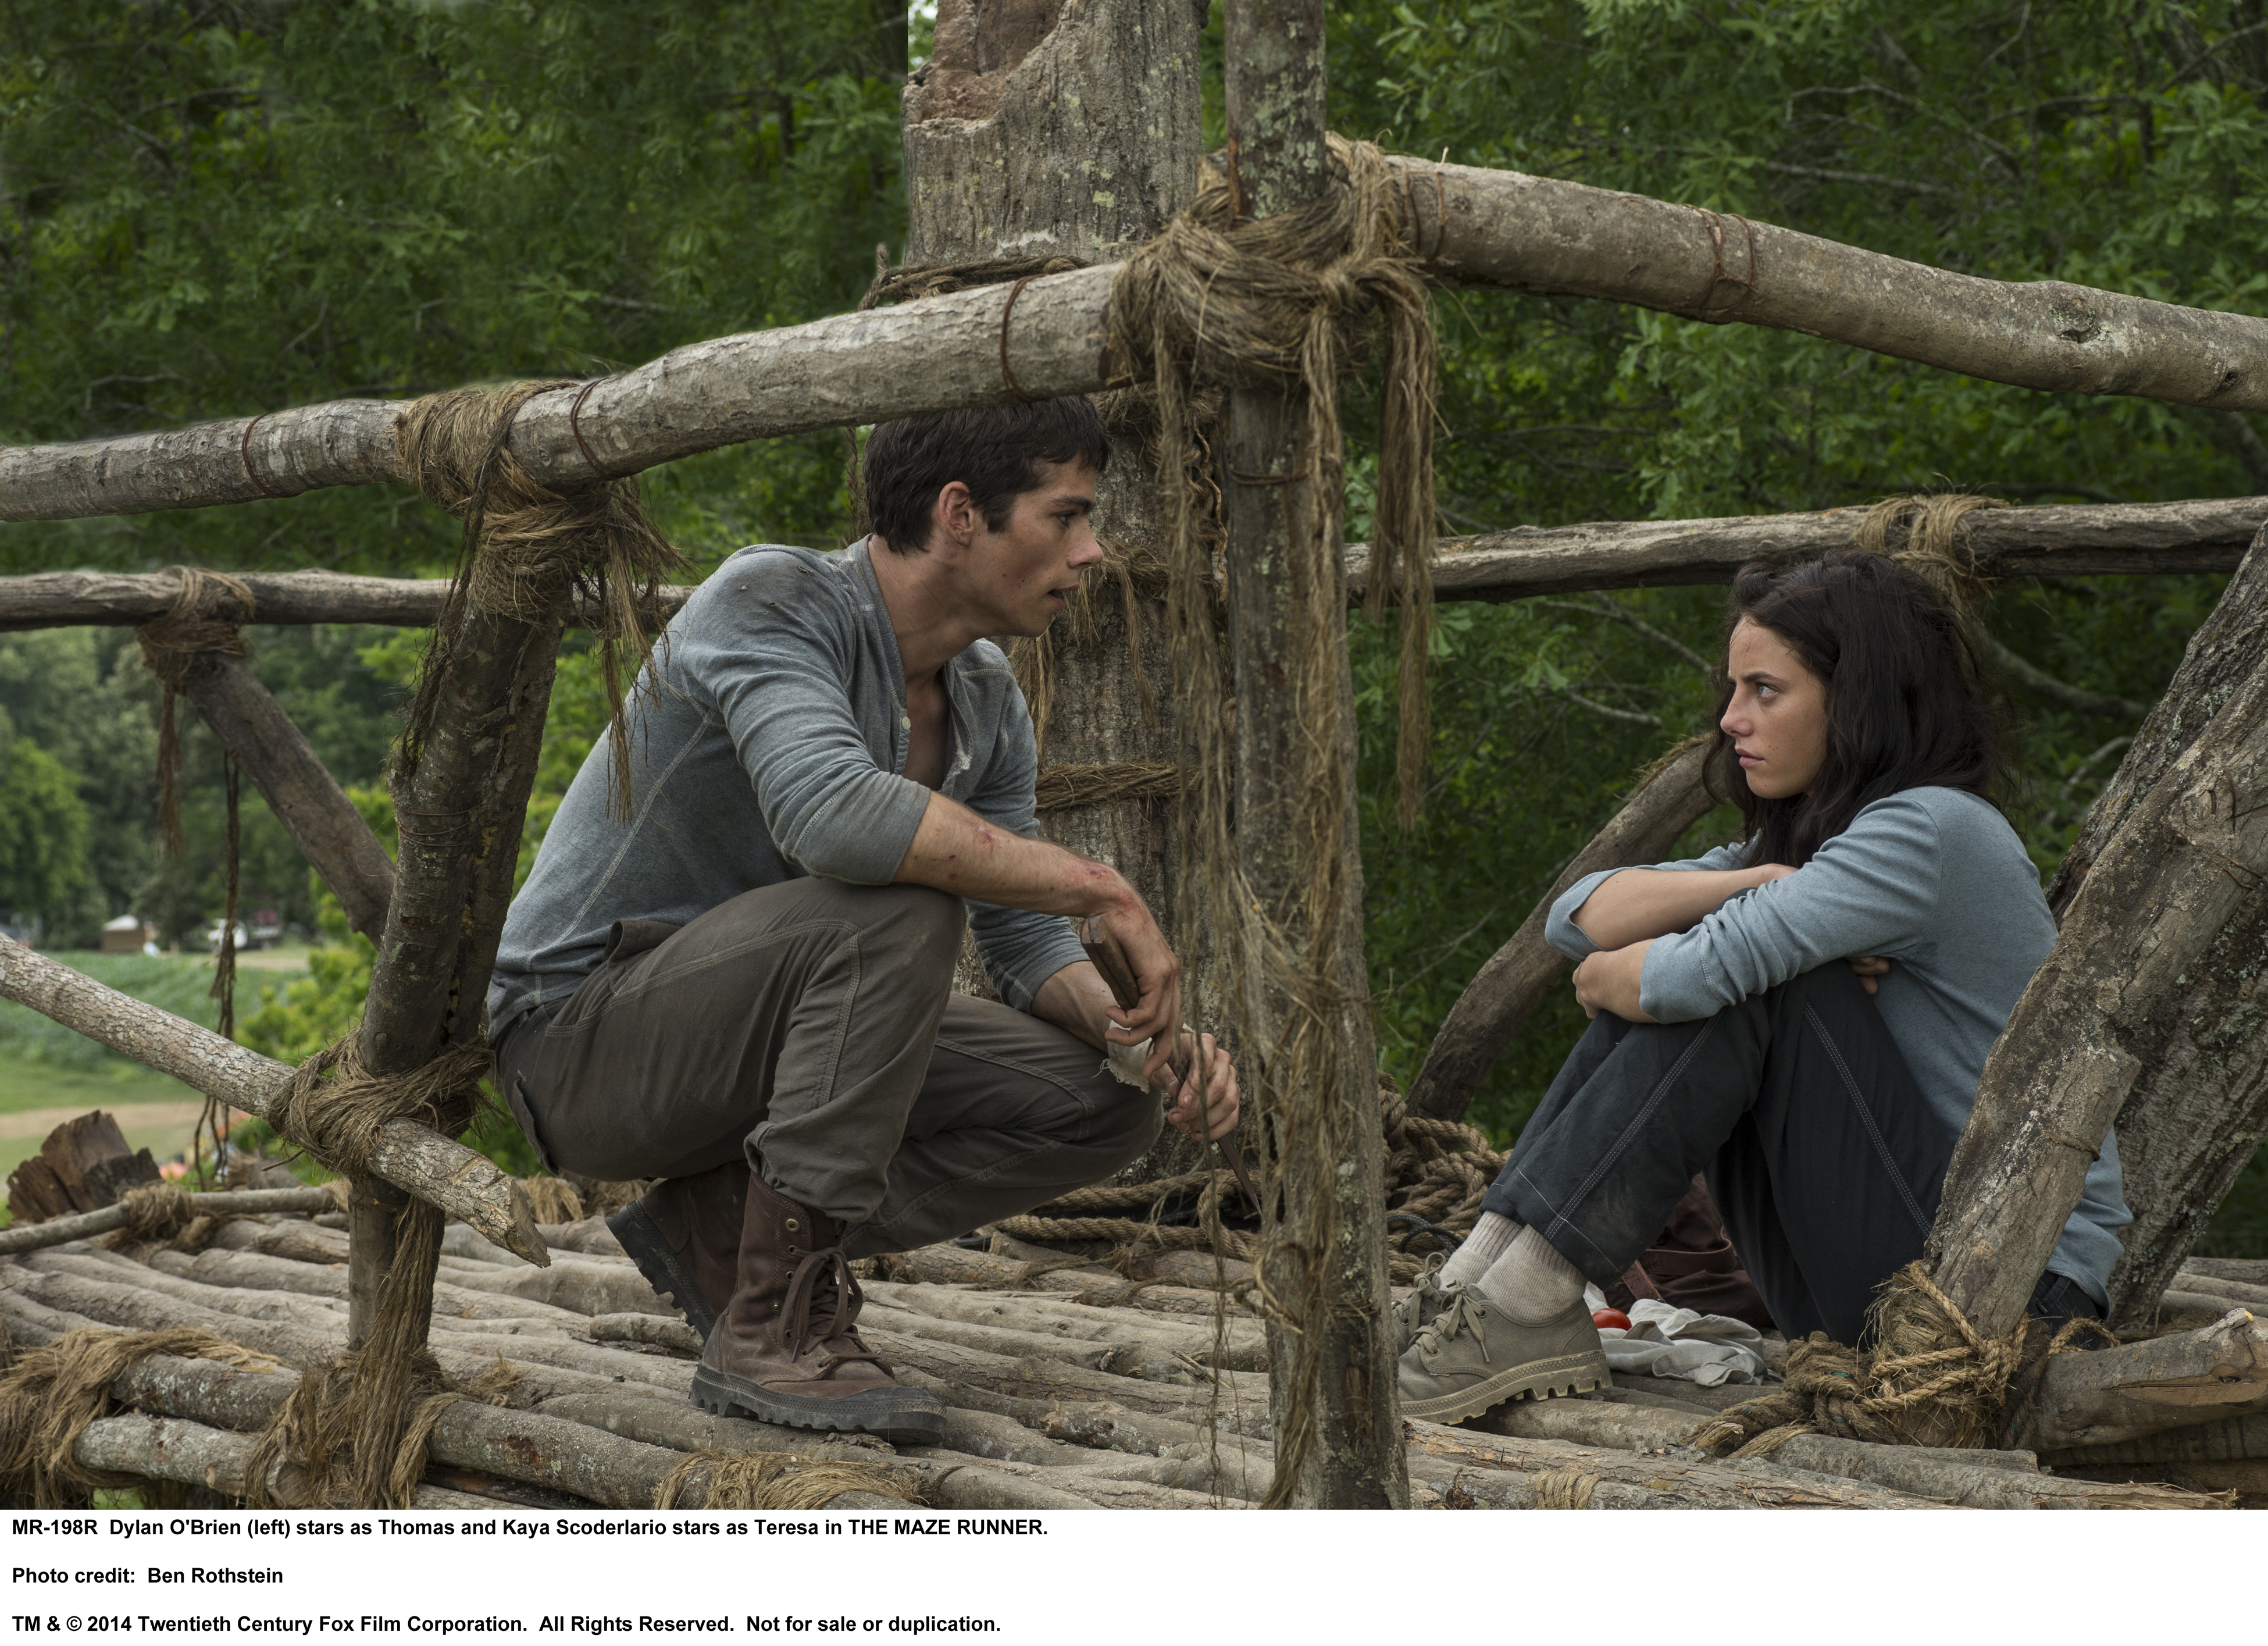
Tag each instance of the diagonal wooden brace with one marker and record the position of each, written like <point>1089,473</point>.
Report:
<point>412,1157</point>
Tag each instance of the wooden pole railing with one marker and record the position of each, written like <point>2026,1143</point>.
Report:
<point>2042,540</point>
<point>1470,225</point>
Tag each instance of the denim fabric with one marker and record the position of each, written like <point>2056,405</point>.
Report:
<point>1821,1155</point>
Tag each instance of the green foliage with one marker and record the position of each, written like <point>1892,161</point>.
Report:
<point>210,208</point>
<point>312,1012</point>
<point>43,830</point>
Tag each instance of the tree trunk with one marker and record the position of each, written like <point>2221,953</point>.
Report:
<point>2146,994</point>
<point>2199,1107</point>
<point>306,799</point>
<point>1334,1366</point>
<point>1073,131</point>
<point>1507,990</point>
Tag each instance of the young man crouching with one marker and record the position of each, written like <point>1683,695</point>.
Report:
<point>745,989</point>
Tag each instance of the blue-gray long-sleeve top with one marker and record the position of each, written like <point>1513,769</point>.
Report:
<point>1936,880</point>
<point>769,739</point>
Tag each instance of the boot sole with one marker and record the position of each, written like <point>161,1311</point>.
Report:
<point>1564,1374</point>
<point>644,1243</point>
<point>912,1417</point>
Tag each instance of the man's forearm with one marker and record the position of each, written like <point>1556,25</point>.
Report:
<point>1078,1000</point>
<point>957,851</point>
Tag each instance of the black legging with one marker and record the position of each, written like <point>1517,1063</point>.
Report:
<point>1822,1155</point>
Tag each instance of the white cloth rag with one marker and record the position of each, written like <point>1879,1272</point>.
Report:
<point>1666,1341</point>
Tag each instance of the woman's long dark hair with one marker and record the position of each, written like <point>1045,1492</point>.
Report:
<point>1909,701</point>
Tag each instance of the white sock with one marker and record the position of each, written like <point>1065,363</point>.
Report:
<point>1490,1239</point>
<point>1531,1282</point>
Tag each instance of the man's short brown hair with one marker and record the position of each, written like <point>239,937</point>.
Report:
<point>995,451</point>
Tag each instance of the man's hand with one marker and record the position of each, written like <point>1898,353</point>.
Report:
<point>1608,982</point>
<point>1216,1116</point>
<point>1077,999</point>
<point>1869,967</point>
<point>1156,1016</point>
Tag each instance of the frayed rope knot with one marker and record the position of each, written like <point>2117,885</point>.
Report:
<point>334,1109</point>
<point>527,548</point>
<point>1932,1380</point>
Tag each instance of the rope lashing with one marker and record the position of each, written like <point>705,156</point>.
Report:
<point>207,615</point>
<point>1926,532</point>
<point>527,548</point>
<point>1436,1173</point>
<point>1931,1380</point>
<point>1063,788</point>
<point>1289,303</point>
<point>49,1395</point>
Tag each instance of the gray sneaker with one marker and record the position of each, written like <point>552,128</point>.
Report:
<point>1472,1356</point>
<point>1429,1297</point>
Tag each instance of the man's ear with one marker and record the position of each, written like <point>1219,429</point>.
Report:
<point>955,516</point>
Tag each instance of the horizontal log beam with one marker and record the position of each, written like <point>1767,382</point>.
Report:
<point>1479,227</point>
<point>58,1231</point>
<point>844,370</point>
<point>2105,1396</point>
<point>1472,226</point>
<point>55,600</point>
<point>409,1157</point>
<point>2047,539</point>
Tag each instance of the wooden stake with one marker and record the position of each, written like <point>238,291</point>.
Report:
<point>329,832</point>
<point>412,1157</point>
<point>1275,82</point>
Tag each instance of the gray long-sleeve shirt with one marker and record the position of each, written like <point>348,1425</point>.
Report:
<point>1936,880</point>
<point>769,740</point>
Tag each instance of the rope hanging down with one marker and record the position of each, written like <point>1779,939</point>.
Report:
<point>1288,304</point>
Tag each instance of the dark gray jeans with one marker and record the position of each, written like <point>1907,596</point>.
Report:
<point>811,1029</point>
<point>1821,1155</point>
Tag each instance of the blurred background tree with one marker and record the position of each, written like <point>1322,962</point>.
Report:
<point>210,209</point>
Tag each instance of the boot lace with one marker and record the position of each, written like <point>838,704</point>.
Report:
<point>823,1281</point>
<point>1443,1328</point>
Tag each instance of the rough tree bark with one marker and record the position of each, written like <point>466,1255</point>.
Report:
<point>412,1158</point>
<point>329,832</point>
<point>1475,226</point>
<point>2151,978</point>
<point>1070,129</point>
<point>1278,162</point>
<point>460,814</point>
<point>2198,1106</point>
<point>1505,993</point>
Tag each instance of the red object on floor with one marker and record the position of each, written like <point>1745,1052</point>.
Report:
<point>1604,1317</point>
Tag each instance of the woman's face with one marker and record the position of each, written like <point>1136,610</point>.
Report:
<point>1778,717</point>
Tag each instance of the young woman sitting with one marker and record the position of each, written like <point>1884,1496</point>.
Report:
<point>1803,1016</point>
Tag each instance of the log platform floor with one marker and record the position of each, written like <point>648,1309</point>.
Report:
<point>1074,1388</point>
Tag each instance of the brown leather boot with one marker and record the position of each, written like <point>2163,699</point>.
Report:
<point>786,1348</point>
<point>684,1235</point>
